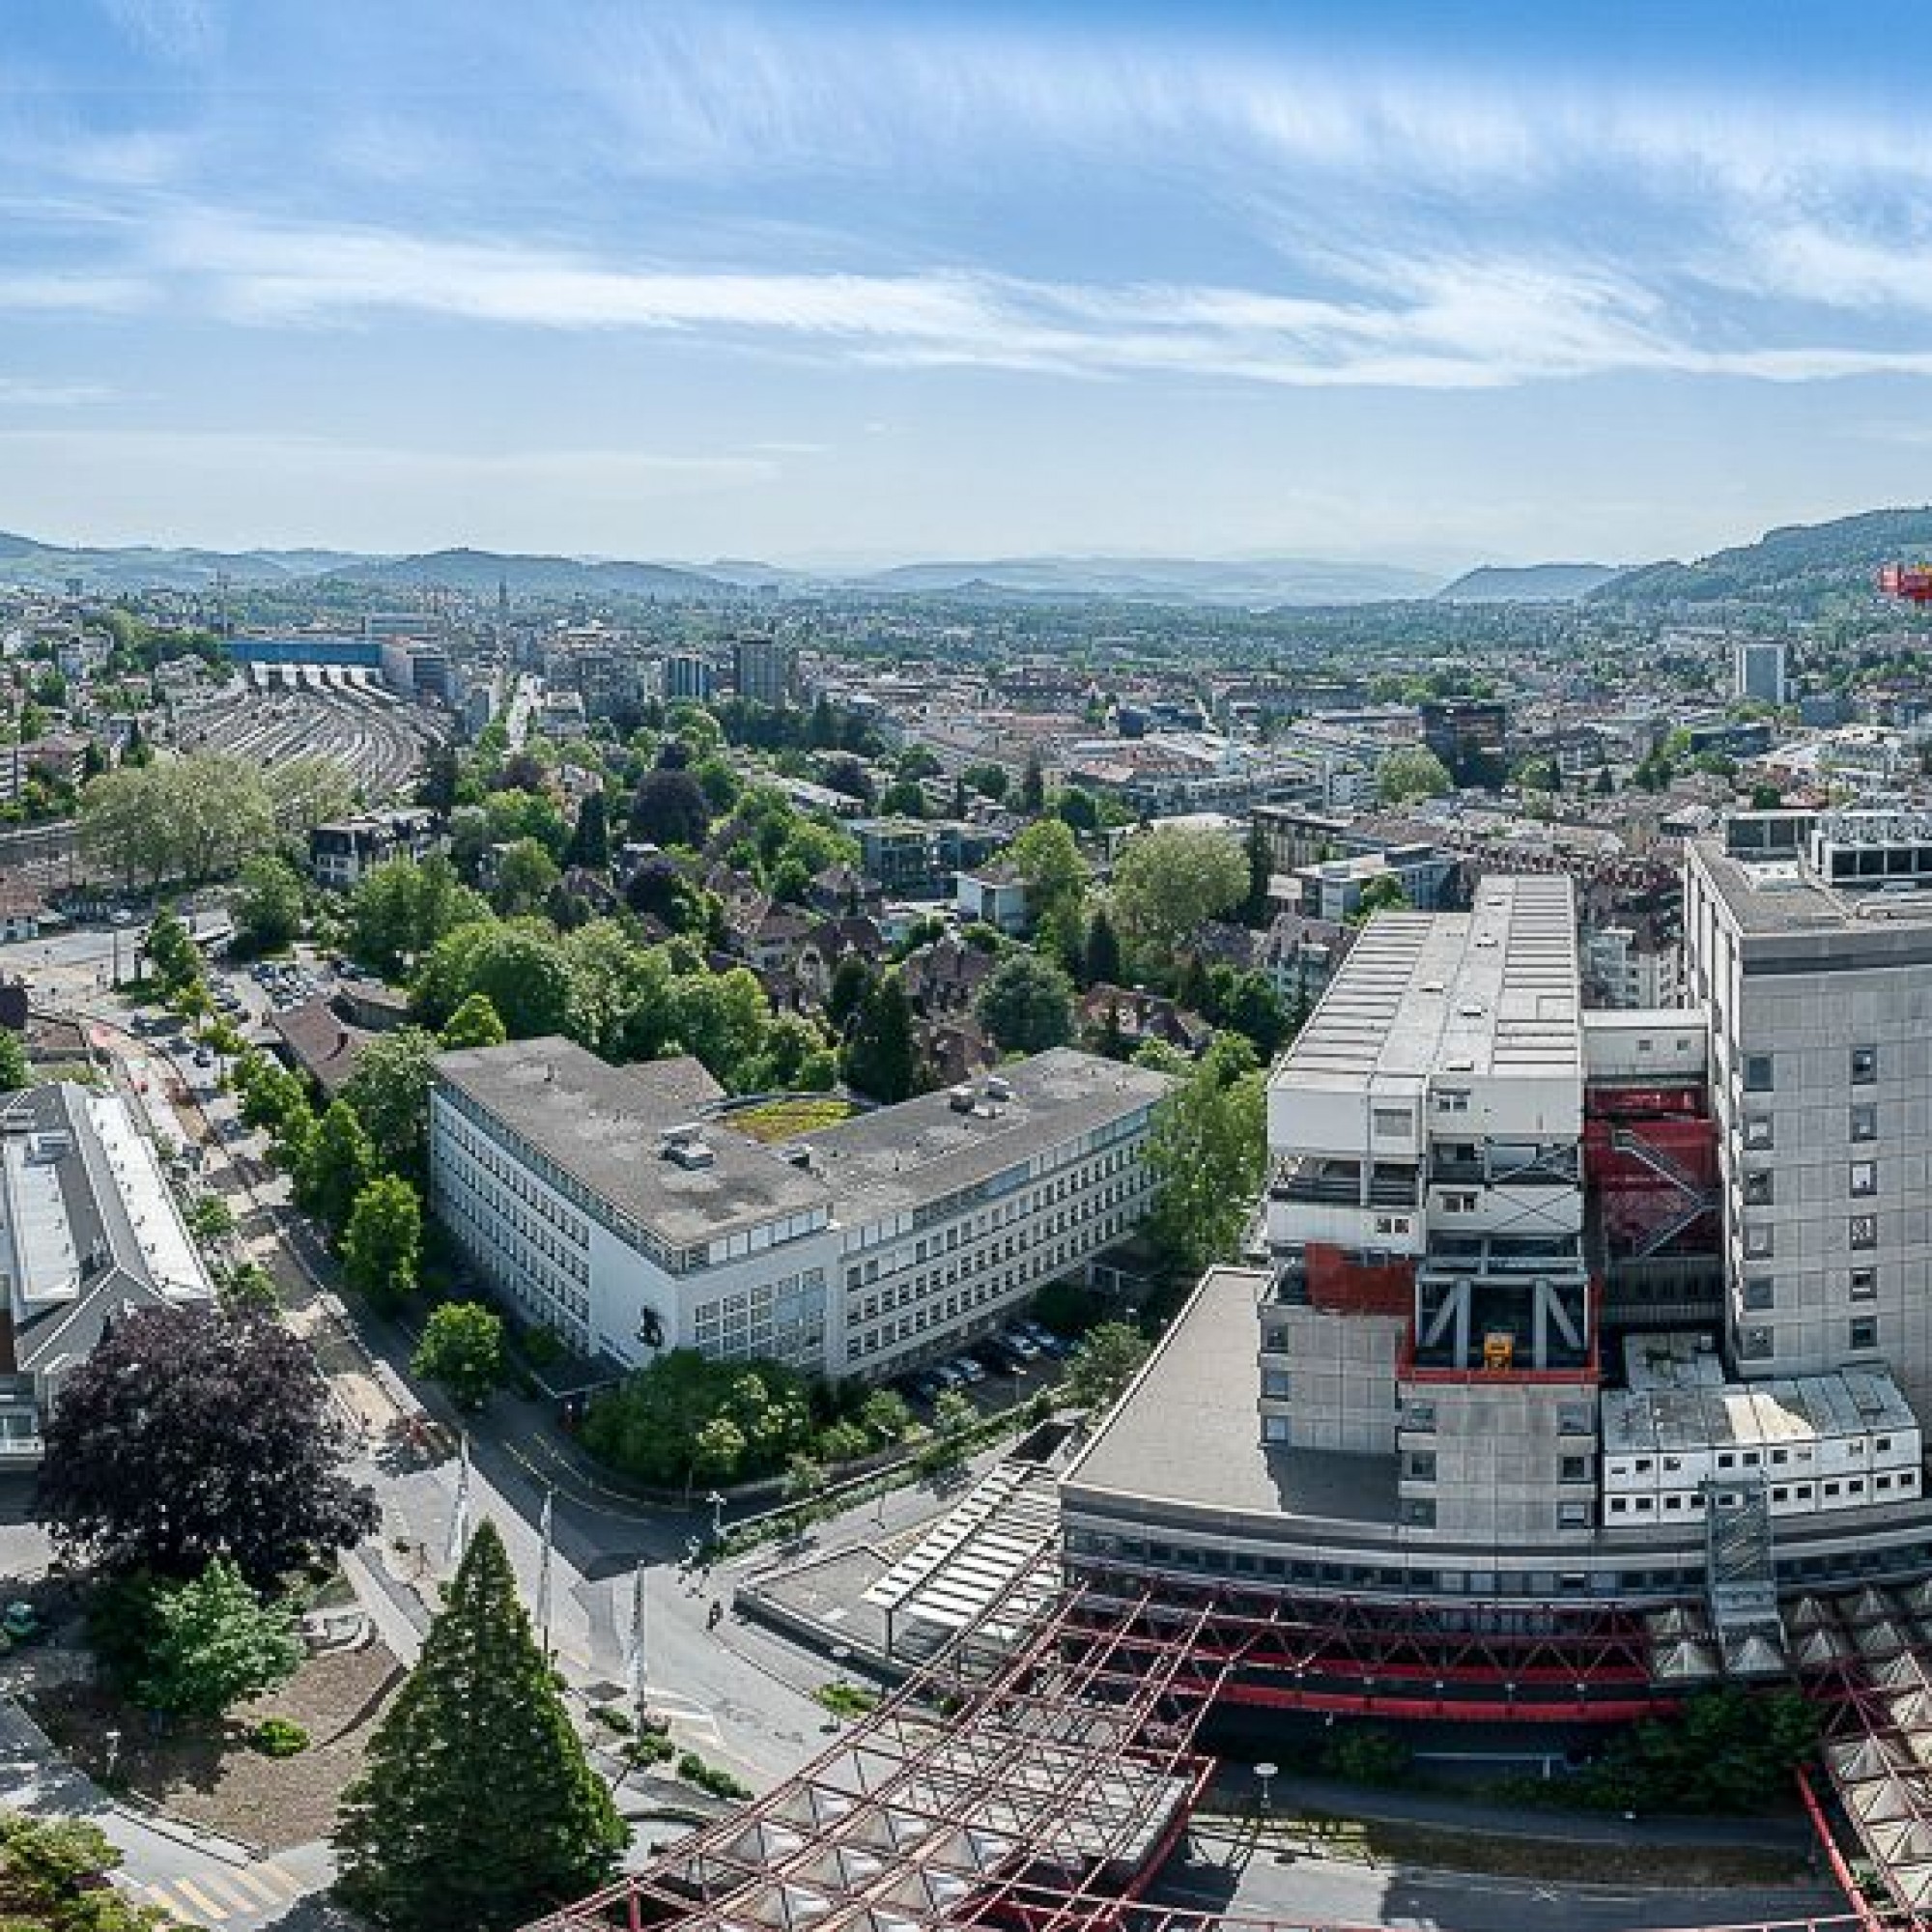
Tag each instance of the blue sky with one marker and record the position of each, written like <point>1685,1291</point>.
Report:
<point>1436,283</point>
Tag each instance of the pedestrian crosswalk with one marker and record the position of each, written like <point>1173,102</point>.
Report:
<point>224,1894</point>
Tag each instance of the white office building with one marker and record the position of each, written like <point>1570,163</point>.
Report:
<point>1757,670</point>
<point>616,1207</point>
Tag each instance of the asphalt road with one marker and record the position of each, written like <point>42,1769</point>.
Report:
<point>1302,1890</point>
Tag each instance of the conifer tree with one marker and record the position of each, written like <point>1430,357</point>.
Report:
<point>477,1807</point>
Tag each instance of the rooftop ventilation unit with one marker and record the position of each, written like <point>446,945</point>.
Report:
<point>692,1154</point>
<point>999,1087</point>
<point>960,1098</point>
<point>681,1135</point>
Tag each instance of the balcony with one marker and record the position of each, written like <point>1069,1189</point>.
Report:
<point>1317,1181</point>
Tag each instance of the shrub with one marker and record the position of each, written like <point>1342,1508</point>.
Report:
<point>1367,1754</point>
<point>843,1443</point>
<point>845,1701</point>
<point>614,1718</point>
<point>720,1784</point>
<point>649,1748</point>
<point>278,1737</point>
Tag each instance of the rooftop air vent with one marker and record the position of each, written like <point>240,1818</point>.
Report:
<point>961,1099</point>
<point>999,1087</point>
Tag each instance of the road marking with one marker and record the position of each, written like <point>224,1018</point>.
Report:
<point>252,1879</point>
<point>201,1906</point>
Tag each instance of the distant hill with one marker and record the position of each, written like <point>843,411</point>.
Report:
<point>1528,583</point>
<point>1798,569</point>
<point>1250,581</point>
<point>145,567</point>
<point>480,571</point>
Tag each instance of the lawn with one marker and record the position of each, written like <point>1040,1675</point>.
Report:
<point>209,1773</point>
<point>783,1120</point>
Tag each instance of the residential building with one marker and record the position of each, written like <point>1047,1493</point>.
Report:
<point>764,670</point>
<point>1633,966</point>
<point>1757,670</point>
<point>1471,736</point>
<point>340,854</point>
<point>604,1202</point>
<point>994,894</point>
<point>687,675</point>
<point>90,1231</point>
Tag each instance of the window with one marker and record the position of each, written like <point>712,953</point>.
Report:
<point>1754,1345</point>
<point>1276,1384</point>
<point>1863,1230</point>
<point>1864,1284</point>
<point>1760,1291</point>
<point>1759,1073</point>
<point>1418,1415</point>
<point>1864,1122</point>
<point>1573,1470</point>
<point>1452,1100</point>
<point>1392,1122</point>
<point>1419,1511</point>
<point>1864,1066</point>
<point>1757,1189</point>
<point>1274,1429</point>
<point>1758,1244</point>
<point>1573,1516</point>
<point>1458,1203</point>
<point>1575,1418</point>
<point>1419,1466</point>
<point>1864,1177</point>
<point>1757,1132</point>
<point>1865,1331</point>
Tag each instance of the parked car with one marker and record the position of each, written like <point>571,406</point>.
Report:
<point>1016,1341</point>
<point>966,1367</point>
<point>204,1057</point>
<point>1050,1342</point>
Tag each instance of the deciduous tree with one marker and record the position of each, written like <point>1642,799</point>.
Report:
<point>1207,1148</point>
<point>190,1433</point>
<point>462,1347</point>
<point>1027,1004</point>
<point>382,1250</point>
<point>216,1642</point>
<point>1170,881</point>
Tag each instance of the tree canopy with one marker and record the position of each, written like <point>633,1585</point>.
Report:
<point>1410,772</point>
<point>1207,1150</point>
<point>215,1644</point>
<point>1026,1003</point>
<point>190,1433</point>
<point>1170,881</point>
<point>462,1347</point>
<point>476,1806</point>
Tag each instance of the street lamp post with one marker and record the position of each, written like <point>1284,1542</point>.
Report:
<point>1264,1775</point>
<point>112,1740</point>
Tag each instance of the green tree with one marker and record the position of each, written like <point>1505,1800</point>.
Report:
<point>476,1806</point>
<point>1411,772</point>
<point>216,1643</point>
<point>718,1449</point>
<point>524,874</point>
<point>49,1868</point>
<point>885,1416</point>
<point>591,839</point>
<point>337,1166</point>
<point>305,792</point>
<point>462,1347</point>
<point>1102,962</point>
<point>1027,1004</point>
<point>474,1023</point>
<point>1033,787</point>
<point>15,1071</point>
<point>268,907</point>
<point>880,1058</point>
<point>1169,881</point>
<point>381,1249</point>
<point>1207,1148</point>
<point>1104,1362</point>
<point>520,968</point>
<point>953,1416</point>
<point>404,907</point>
<point>1048,861</point>
<point>1383,893</point>
<point>172,952</point>
<point>390,1093</point>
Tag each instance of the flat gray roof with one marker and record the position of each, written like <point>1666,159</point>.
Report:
<point>1789,919</point>
<point>901,1157</point>
<point>602,1125</point>
<point>1188,1431</point>
<point>1496,990</point>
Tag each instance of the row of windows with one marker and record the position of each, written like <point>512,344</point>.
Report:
<point>512,1267</point>
<point>1758,1343</point>
<point>511,1177</point>
<point>1761,1243</point>
<point>1760,1185</point>
<point>1085,1196</point>
<point>1761,1070</point>
<point>1860,1125</point>
<point>1005,1285</point>
<point>538,1230</point>
<point>1760,1290</point>
<point>1896,1482</point>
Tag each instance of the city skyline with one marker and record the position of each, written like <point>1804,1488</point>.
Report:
<point>1437,286</point>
